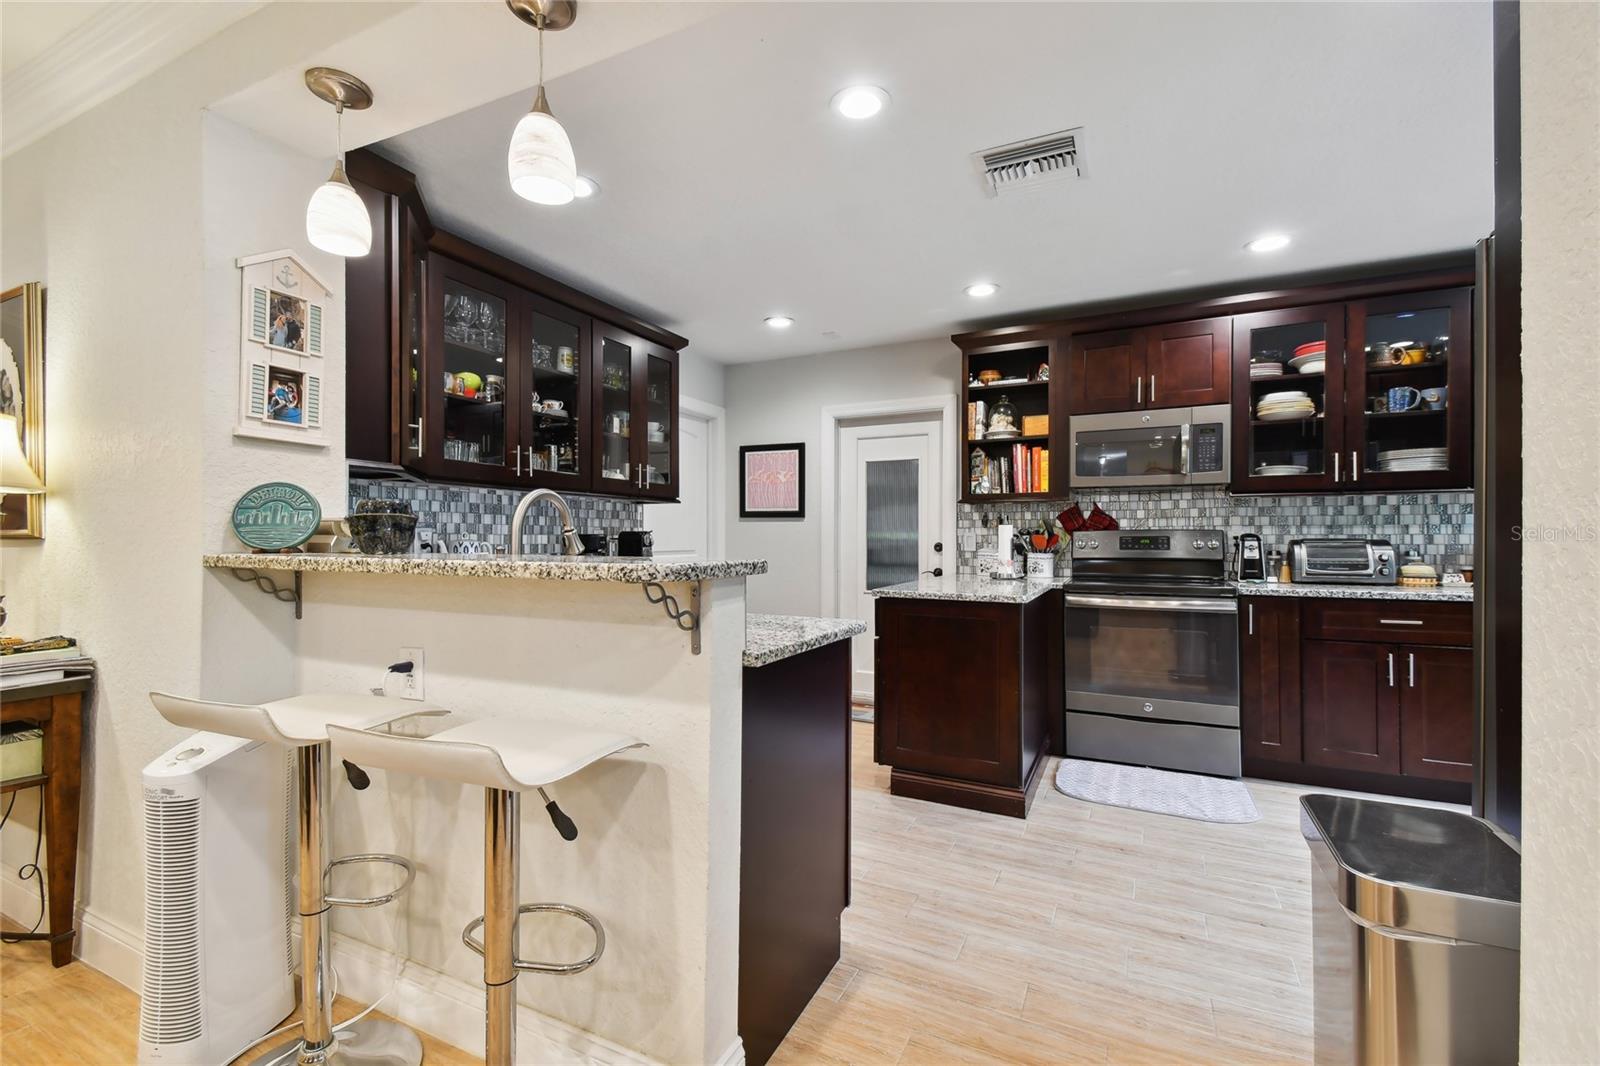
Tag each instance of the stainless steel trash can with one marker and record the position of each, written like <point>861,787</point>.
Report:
<point>1415,916</point>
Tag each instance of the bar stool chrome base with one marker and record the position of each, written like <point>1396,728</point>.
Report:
<point>369,1042</point>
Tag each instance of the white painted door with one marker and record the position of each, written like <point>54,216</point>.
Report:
<point>683,530</point>
<point>890,518</point>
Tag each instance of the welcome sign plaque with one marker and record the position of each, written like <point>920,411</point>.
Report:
<point>276,516</point>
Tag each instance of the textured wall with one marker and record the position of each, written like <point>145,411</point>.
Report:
<point>1561,494</point>
<point>1437,524</point>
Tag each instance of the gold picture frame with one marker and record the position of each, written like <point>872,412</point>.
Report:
<point>22,394</point>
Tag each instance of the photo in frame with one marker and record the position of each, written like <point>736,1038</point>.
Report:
<point>772,481</point>
<point>287,316</point>
<point>286,391</point>
<point>22,396</point>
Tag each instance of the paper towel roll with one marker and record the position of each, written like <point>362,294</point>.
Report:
<point>1003,549</point>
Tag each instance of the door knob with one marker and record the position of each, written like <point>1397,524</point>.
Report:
<point>937,571</point>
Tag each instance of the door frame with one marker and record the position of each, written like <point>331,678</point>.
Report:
<point>942,407</point>
<point>716,420</point>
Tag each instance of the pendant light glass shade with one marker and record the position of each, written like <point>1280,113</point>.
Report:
<point>336,219</point>
<point>540,160</point>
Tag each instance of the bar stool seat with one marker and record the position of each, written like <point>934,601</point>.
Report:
<point>506,757</point>
<point>300,724</point>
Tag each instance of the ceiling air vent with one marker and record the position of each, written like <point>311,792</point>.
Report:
<point>1026,164</point>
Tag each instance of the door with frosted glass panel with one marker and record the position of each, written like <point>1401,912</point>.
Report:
<point>890,522</point>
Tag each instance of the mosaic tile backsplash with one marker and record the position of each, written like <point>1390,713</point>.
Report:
<point>1436,524</point>
<point>462,515</point>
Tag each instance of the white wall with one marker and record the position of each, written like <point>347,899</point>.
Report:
<point>1561,578</point>
<point>113,213</point>
<point>781,402</point>
<point>701,378</point>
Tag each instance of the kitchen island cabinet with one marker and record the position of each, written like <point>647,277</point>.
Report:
<point>968,699</point>
<point>1358,687</point>
<point>794,857</point>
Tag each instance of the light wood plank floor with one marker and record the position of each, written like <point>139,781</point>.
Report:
<point>1084,934</point>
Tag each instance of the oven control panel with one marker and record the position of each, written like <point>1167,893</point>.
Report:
<point>1143,543</point>
<point>1167,544</point>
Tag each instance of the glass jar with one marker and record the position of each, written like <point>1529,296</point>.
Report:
<point>1002,419</point>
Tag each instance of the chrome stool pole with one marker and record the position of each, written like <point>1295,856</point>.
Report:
<point>502,844</point>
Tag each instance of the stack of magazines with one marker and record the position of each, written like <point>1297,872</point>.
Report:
<point>32,662</point>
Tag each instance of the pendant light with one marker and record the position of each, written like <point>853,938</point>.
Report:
<point>540,160</point>
<point>336,219</point>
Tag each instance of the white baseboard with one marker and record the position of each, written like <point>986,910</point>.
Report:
<point>108,946</point>
<point>734,1056</point>
<point>452,1010</point>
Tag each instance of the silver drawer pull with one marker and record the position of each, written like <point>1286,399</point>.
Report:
<point>1400,621</point>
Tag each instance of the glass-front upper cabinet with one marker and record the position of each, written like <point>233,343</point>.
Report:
<point>413,402</point>
<point>556,415</point>
<point>1408,391</point>
<point>636,440</point>
<point>1289,400</point>
<point>469,428</point>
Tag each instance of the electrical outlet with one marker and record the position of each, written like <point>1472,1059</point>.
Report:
<point>409,686</point>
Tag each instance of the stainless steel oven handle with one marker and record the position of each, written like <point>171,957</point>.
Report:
<point>1220,605</point>
<point>1183,438</point>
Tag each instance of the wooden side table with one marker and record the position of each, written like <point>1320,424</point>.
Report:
<point>57,708</point>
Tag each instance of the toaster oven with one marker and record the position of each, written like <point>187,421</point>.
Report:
<point>1334,561</point>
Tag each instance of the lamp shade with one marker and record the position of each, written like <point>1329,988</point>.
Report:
<point>336,219</point>
<point>16,475</point>
<point>540,159</point>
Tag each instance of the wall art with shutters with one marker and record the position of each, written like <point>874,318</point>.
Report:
<point>284,343</point>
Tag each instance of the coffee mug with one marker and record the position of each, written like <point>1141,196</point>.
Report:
<point>552,405</point>
<point>1404,398</point>
<point>1380,405</point>
<point>1436,399</point>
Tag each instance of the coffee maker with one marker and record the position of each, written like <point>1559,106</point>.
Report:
<point>1252,563</point>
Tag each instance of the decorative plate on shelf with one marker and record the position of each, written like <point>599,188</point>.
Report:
<point>275,516</point>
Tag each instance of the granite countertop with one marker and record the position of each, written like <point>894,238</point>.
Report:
<point>769,638</point>
<point>528,568</point>
<point>1446,593</point>
<point>969,589</point>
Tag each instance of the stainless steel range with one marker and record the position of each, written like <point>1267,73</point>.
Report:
<point>1152,650</point>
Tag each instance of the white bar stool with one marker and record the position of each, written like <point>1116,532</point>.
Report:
<point>301,723</point>
<point>507,757</point>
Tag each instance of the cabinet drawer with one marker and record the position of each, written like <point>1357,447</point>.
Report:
<point>1390,621</point>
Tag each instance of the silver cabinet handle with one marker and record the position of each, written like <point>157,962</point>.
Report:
<point>1250,615</point>
<point>1152,388</point>
<point>1391,669</point>
<point>1335,468</point>
<point>1399,621</point>
<point>1138,390</point>
<point>417,425</point>
<point>518,451</point>
<point>1411,668</point>
<point>1355,467</point>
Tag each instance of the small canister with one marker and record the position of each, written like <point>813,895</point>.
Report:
<point>1041,566</point>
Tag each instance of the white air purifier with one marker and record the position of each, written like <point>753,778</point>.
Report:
<point>218,958</point>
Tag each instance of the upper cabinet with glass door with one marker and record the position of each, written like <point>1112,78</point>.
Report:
<point>1408,385</point>
<point>469,429</point>
<point>1288,400</point>
<point>636,443</point>
<point>556,414</point>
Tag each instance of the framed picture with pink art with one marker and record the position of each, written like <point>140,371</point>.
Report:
<point>772,481</point>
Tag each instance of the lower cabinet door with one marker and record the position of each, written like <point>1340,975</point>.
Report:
<point>1435,712</point>
<point>1351,705</point>
<point>1269,678</point>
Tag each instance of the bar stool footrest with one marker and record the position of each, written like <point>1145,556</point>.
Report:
<point>529,966</point>
<point>368,901</point>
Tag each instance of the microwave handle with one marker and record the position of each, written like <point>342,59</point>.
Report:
<point>1183,448</point>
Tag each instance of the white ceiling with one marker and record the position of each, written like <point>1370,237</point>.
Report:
<point>732,192</point>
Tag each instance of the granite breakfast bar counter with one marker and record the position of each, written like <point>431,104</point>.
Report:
<point>576,640</point>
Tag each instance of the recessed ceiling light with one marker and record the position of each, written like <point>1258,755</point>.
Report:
<point>982,289</point>
<point>1269,242</point>
<point>584,187</point>
<point>779,321</point>
<point>860,101</point>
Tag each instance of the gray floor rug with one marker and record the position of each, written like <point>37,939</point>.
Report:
<point>1205,799</point>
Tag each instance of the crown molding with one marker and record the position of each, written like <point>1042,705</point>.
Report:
<point>101,58</point>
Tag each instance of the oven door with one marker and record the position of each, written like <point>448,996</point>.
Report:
<point>1154,658</point>
<point>1130,448</point>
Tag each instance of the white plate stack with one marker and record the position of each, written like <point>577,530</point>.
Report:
<point>1281,469</point>
<point>1414,459</point>
<point>1315,363</point>
<point>1285,407</point>
<point>1265,370</point>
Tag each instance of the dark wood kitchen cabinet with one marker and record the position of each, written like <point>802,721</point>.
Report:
<point>1374,695</point>
<point>1175,364</point>
<point>967,699</point>
<point>1269,671</point>
<point>466,367</point>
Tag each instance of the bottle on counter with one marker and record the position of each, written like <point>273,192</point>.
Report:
<point>1277,566</point>
<point>1284,575</point>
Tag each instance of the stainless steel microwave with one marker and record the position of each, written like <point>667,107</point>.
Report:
<point>1177,446</point>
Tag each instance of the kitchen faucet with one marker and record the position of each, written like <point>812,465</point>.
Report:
<point>570,544</point>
